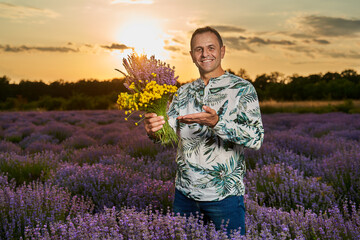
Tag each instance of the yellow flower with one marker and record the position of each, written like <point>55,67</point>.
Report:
<point>132,86</point>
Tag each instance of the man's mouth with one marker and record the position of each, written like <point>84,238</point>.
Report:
<point>207,60</point>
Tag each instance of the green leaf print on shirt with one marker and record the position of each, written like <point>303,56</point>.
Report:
<point>224,177</point>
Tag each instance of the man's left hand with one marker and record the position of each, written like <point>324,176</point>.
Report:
<point>208,118</point>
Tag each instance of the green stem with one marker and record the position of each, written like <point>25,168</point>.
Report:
<point>166,134</point>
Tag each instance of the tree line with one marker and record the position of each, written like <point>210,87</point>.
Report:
<point>328,86</point>
<point>95,94</point>
<point>59,95</point>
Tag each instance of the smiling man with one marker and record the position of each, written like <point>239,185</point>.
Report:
<point>216,117</point>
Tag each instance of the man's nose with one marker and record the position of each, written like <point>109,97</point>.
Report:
<point>205,53</point>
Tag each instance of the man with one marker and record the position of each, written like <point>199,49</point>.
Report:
<point>215,117</point>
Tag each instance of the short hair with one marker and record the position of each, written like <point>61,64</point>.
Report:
<point>204,30</point>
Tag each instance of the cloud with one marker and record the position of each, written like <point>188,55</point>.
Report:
<point>132,1</point>
<point>304,49</point>
<point>260,41</point>
<point>116,46</point>
<point>244,43</point>
<point>11,11</point>
<point>173,48</point>
<point>228,28</point>
<point>311,52</point>
<point>177,40</point>
<point>299,35</point>
<point>329,26</point>
<point>71,47</point>
<point>23,48</point>
<point>321,41</point>
<point>349,54</point>
<point>237,44</point>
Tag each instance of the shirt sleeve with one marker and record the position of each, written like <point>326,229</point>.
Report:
<point>242,125</point>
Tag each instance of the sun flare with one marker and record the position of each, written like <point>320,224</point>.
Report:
<point>144,35</point>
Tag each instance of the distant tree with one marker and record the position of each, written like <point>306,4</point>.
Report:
<point>31,90</point>
<point>4,87</point>
<point>230,71</point>
<point>243,74</point>
<point>351,75</point>
<point>329,76</point>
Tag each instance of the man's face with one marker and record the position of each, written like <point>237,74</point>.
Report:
<point>206,53</point>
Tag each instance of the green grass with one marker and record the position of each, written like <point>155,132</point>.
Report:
<point>347,106</point>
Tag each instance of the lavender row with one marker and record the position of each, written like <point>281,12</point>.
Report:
<point>114,185</point>
<point>262,223</point>
<point>35,204</point>
<point>310,135</point>
<point>129,224</point>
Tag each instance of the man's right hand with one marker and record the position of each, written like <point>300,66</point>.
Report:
<point>153,123</point>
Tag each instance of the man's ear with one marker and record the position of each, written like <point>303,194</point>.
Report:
<point>222,51</point>
<point>192,58</point>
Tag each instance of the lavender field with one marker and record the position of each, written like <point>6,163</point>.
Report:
<point>93,175</point>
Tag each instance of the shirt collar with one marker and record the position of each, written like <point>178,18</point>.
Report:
<point>213,80</point>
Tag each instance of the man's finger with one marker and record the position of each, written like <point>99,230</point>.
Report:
<point>155,119</point>
<point>209,109</point>
<point>150,115</point>
<point>157,123</point>
<point>155,129</point>
<point>191,116</point>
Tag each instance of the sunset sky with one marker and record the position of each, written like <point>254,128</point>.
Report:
<point>86,39</point>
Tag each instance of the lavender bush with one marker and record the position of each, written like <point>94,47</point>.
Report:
<point>114,185</point>
<point>302,184</point>
<point>342,171</point>
<point>128,224</point>
<point>28,168</point>
<point>35,204</point>
<point>6,146</point>
<point>271,223</point>
<point>79,141</point>
<point>91,154</point>
<point>286,188</point>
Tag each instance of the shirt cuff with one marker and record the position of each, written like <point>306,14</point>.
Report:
<point>218,125</point>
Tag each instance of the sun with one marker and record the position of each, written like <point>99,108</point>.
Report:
<point>145,35</point>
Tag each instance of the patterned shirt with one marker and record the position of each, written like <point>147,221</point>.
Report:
<point>210,161</point>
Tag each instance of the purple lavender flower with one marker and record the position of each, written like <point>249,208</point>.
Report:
<point>6,146</point>
<point>286,188</point>
<point>27,168</point>
<point>36,204</point>
<point>141,68</point>
<point>58,130</point>
<point>79,141</point>
<point>114,185</point>
<point>128,224</point>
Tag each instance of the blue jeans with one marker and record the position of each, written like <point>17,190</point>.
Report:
<point>230,210</point>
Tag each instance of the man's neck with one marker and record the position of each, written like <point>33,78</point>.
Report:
<point>207,76</point>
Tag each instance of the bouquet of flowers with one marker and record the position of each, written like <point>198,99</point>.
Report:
<point>151,84</point>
